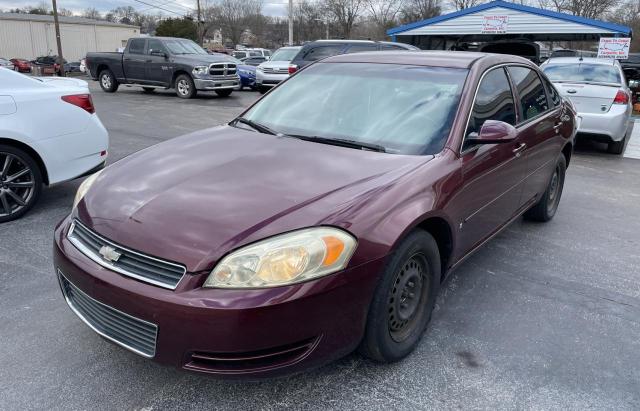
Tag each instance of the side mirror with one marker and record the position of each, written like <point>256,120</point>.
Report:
<point>158,53</point>
<point>493,132</point>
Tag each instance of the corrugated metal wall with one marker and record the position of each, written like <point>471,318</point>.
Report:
<point>519,23</point>
<point>31,39</point>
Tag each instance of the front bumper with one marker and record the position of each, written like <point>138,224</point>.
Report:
<point>234,333</point>
<point>207,84</point>
<point>268,79</point>
<point>609,126</point>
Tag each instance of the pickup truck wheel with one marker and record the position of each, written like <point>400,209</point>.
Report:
<point>148,89</point>
<point>224,93</point>
<point>185,87</point>
<point>108,81</point>
<point>20,183</point>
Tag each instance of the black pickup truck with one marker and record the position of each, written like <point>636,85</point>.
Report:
<point>165,62</point>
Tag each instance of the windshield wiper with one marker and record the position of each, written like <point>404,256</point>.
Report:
<point>256,126</point>
<point>340,142</point>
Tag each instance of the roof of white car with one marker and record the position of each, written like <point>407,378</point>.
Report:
<point>578,60</point>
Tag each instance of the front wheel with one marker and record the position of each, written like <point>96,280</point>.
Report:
<point>546,207</point>
<point>20,183</point>
<point>185,87</point>
<point>108,81</point>
<point>404,299</point>
<point>224,93</point>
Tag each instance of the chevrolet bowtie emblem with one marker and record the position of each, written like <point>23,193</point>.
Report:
<point>109,253</point>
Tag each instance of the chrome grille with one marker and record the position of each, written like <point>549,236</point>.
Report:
<point>130,332</point>
<point>123,260</point>
<point>270,70</point>
<point>222,69</point>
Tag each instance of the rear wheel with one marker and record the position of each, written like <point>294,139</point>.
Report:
<point>616,147</point>
<point>20,183</point>
<point>546,207</point>
<point>185,87</point>
<point>404,299</point>
<point>263,89</point>
<point>108,81</point>
<point>224,93</point>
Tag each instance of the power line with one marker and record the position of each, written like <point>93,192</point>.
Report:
<point>155,6</point>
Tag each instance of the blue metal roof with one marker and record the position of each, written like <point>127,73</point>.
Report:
<point>527,9</point>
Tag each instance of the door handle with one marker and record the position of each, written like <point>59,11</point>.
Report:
<point>518,150</point>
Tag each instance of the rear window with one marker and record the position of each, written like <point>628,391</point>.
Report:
<point>136,46</point>
<point>583,72</point>
<point>317,53</point>
<point>284,54</point>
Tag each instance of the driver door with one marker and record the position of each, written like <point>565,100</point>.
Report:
<point>159,71</point>
<point>492,173</point>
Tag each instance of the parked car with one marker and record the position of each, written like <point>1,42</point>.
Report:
<point>165,62</point>
<point>253,61</point>
<point>599,93</point>
<point>53,61</point>
<point>247,76</point>
<point>49,133</point>
<point>73,67</point>
<point>7,64</point>
<point>323,218</point>
<point>21,65</point>
<point>272,72</point>
<point>242,54</point>
<point>260,52</point>
<point>320,49</point>
<point>631,66</point>
<point>83,66</point>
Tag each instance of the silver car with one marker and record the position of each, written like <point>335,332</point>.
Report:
<point>276,69</point>
<point>599,93</point>
<point>6,64</point>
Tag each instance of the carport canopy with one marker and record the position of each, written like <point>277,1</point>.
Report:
<point>522,22</point>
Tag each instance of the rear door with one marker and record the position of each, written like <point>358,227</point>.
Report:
<point>134,60</point>
<point>158,69</point>
<point>492,173</point>
<point>539,125</point>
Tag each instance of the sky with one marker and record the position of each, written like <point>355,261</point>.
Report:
<point>270,7</point>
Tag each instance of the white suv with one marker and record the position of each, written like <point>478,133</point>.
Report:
<point>276,69</point>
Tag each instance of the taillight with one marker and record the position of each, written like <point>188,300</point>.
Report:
<point>81,100</point>
<point>292,68</point>
<point>621,97</point>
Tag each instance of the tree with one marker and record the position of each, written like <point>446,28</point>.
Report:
<point>345,13</point>
<point>416,10</point>
<point>383,14</point>
<point>464,4</point>
<point>184,27</point>
<point>92,13</point>
<point>592,9</point>
<point>628,14</point>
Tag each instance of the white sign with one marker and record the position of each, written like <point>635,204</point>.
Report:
<point>495,24</point>
<point>614,48</point>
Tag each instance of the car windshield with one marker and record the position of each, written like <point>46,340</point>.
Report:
<point>583,73</point>
<point>405,109</point>
<point>184,46</point>
<point>284,54</point>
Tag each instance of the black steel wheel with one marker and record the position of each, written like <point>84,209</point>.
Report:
<point>546,207</point>
<point>20,183</point>
<point>403,300</point>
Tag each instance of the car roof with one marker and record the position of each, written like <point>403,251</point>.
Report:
<point>578,60</point>
<point>454,59</point>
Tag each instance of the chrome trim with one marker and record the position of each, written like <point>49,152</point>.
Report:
<point>101,261</point>
<point>88,323</point>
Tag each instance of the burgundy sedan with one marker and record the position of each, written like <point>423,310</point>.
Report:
<point>321,220</point>
<point>21,65</point>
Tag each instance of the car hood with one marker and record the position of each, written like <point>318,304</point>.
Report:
<point>205,58</point>
<point>193,199</point>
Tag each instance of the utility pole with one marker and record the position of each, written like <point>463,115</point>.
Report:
<point>58,40</point>
<point>291,22</point>
<point>199,25</point>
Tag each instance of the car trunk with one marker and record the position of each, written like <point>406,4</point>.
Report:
<point>589,98</point>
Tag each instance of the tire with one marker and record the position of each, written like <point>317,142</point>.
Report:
<point>616,147</point>
<point>224,93</point>
<point>108,81</point>
<point>546,207</point>
<point>149,90</point>
<point>262,90</point>
<point>20,183</point>
<point>185,87</point>
<point>404,299</point>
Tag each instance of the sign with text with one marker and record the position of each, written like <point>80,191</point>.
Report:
<point>495,24</point>
<point>614,48</point>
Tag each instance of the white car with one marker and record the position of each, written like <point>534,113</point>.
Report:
<point>598,91</point>
<point>276,69</point>
<point>49,133</point>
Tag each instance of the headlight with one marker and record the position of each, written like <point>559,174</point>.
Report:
<point>84,187</point>
<point>285,259</point>
<point>200,70</point>
<point>259,68</point>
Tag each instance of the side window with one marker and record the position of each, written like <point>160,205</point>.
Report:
<point>136,46</point>
<point>494,101</point>
<point>356,48</point>
<point>553,93</point>
<point>533,98</point>
<point>385,47</point>
<point>317,53</point>
<point>155,45</point>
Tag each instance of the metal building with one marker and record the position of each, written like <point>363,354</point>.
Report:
<point>30,35</point>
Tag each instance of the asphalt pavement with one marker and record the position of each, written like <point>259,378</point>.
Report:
<point>545,316</point>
